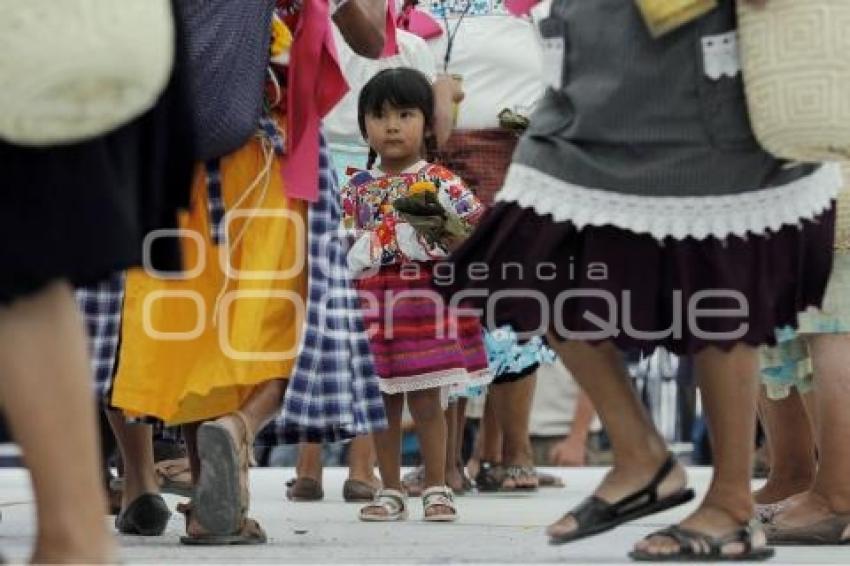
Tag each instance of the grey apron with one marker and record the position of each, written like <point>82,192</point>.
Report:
<point>639,116</point>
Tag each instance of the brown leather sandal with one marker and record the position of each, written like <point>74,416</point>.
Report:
<point>222,497</point>
<point>356,491</point>
<point>304,489</point>
<point>250,532</point>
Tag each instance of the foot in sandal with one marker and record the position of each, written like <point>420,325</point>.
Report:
<point>742,544</point>
<point>808,519</point>
<point>709,534</point>
<point>174,476</point>
<point>249,531</point>
<point>438,505</point>
<point>389,505</point>
<point>520,478</point>
<point>222,497</point>
<point>601,512</point>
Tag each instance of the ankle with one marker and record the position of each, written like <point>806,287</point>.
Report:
<point>649,455</point>
<point>518,457</point>
<point>365,475</point>
<point>136,485</point>
<point>311,470</point>
<point>775,490</point>
<point>74,544</point>
<point>798,477</point>
<point>838,500</point>
<point>311,476</point>
<point>739,507</point>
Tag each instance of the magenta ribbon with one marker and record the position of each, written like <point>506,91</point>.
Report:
<point>315,85</point>
<point>419,23</point>
<point>520,7</point>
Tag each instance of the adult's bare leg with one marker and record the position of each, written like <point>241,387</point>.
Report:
<point>49,404</point>
<point>791,443</point>
<point>729,386</point>
<point>829,494</point>
<point>639,450</point>
<point>135,441</point>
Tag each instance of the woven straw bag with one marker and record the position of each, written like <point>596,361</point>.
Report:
<point>77,69</point>
<point>796,63</point>
<point>228,46</point>
<point>842,213</point>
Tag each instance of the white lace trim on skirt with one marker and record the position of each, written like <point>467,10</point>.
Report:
<point>755,212</point>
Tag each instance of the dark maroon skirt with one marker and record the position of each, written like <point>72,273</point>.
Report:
<point>608,284</point>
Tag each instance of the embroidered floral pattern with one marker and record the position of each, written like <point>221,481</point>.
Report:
<point>454,8</point>
<point>367,202</point>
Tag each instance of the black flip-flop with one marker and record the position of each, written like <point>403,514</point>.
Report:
<point>708,548</point>
<point>595,515</point>
<point>489,477</point>
<point>146,516</point>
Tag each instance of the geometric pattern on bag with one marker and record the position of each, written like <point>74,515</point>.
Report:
<point>796,64</point>
<point>842,213</point>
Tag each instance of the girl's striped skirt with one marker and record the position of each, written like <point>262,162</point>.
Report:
<point>417,341</point>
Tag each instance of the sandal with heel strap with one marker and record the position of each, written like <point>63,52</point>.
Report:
<point>595,515</point>
<point>249,533</point>
<point>439,496</point>
<point>222,496</point>
<point>391,501</point>
<point>700,547</point>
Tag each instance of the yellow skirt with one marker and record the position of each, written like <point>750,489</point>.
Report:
<point>194,348</point>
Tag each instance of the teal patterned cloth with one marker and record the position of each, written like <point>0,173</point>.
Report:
<point>505,354</point>
<point>788,364</point>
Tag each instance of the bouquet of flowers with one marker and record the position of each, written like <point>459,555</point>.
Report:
<point>422,209</point>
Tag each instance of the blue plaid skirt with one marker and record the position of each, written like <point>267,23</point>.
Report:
<point>100,306</point>
<point>333,392</point>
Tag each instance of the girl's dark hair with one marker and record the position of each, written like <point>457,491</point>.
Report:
<point>403,88</point>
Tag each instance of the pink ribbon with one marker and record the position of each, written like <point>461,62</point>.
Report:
<point>390,41</point>
<point>419,23</point>
<point>520,7</point>
<point>315,85</point>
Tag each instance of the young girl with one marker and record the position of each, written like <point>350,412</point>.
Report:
<point>419,345</point>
